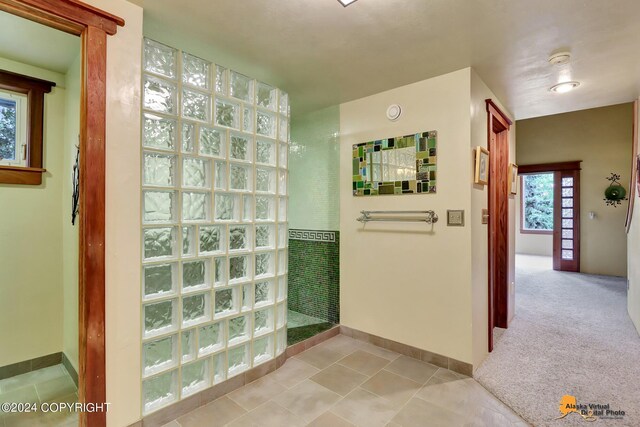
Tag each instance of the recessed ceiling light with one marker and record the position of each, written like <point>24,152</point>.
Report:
<point>346,3</point>
<point>560,58</point>
<point>564,87</point>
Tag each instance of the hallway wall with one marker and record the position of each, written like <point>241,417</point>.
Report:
<point>601,138</point>
<point>633,256</point>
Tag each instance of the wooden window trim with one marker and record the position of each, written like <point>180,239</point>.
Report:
<point>550,167</point>
<point>522,229</point>
<point>34,89</point>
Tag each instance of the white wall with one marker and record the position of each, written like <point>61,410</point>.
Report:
<point>633,258</point>
<point>398,280</point>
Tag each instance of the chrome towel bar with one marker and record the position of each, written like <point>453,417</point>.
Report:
<point>429,217</point>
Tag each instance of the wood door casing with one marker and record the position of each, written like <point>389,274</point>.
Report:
<point>566,220</point>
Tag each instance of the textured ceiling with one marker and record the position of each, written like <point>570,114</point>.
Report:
<point>324,54</point>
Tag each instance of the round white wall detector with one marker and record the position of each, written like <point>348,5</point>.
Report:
<point>393,112</point>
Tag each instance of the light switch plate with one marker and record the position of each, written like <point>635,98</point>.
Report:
<point>455,218</point>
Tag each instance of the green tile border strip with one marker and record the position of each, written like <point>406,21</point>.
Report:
<point>312,235</point>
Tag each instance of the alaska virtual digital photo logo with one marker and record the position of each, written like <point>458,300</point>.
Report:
<point>589,411</point>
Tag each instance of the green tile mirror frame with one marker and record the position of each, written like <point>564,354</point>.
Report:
<point>400,165</point>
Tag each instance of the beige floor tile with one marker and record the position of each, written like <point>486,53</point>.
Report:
<point>488,417</point>
<point>217,413</point>
<point>55,388</point>
<point>341,344</point>
<point>459,396</point>
<point>413,369</point>
<point>378,351</point>
<point>256,393</point>
<point>364,409</point>
<point>448,375</point>
<point>31,378</point>
<point>25,394</point>
<point>173,423</point>
<point>339,379</point>
<point>419,413</point>
<point>307,400</point>
<point>394,388</point>
<point>293,372</point>
<point>30,419</point>
<point>320,356</point>
<point>329,419</point>
<point>363,362</point>
<point>269,414</point>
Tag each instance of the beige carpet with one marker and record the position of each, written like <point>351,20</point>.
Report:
<point>571,335</point>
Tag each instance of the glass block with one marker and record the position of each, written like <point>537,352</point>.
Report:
<point>195,309</point>
<point>195,71</point>
<point>282,182</point>
<point>212,142</point>
<point>159,280</point>
<point>281,316</point>
<point>567,182</point>
<point>160,355</point>
<point>282,261</point>
<point>210,339</point>
<point>567,223</point>
<point>238,329</point>
<point>265,152</point>
<point>262,350</point>
<point>211,239</point>
<point>247,208</point>
<point>567,203</point>
<point>284,155</point>
<point>238,360</point>
<point>188,241</point>
<point>160,317</point>
<point>567,213</point>
<point>265,124</point>
<point>159,169</point>
<point>283,235</point>
<point>195,172</point>
<point>220,177</point>
<point>220,271</point>
<point>239,268</point>
<point>247,120</point>
<point>283,129</point>
<point>284,104</point>
<point>188,137</point>
<point>241,87</point>
<point>188,339</point>
<point>567,244</point>
<point>196,105</point>
<point>195,206</point>
<point>159,242</point>
<point>263,320</point>
<point>282,288</point>
<point>266,180</point>
<point>158,206</point>
<point>264,264</point>
<point>159,58</point>
<point>227,114</point>
<point>226,208</point>
<point>266,96</point>
<point>226,302</point>
<point>195,377</point>
<point>567,234</point>
<point>158,132</point>
<point>160,391</point>
<point>265,208</point>
<point>567,254</point>
<point>219,368</point>
<point>264,293</point>
<point>265,236</point>
<point>567,192</point>
<point>195,275</point>
<point>238,238</point>
<point>159,95</point>
<point>282,209</point>
<point>240,177</point>
<point>240,147</point>
<point>221,80</point>
<point>282,341</point>
<point>247,300</point>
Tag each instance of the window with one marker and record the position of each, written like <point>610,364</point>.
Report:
<point>13,129</point>
<point>537,203</point>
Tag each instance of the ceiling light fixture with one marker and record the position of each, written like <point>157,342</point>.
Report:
<point>346,3</point>
<point>564,87</point>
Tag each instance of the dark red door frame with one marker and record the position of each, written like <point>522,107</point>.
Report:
<point>93,26</point>
<point>498,125</point>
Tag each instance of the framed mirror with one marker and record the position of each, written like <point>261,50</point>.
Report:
<point>401,165</point>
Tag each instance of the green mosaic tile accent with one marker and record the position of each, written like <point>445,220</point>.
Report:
<point>368,164</point>
<point>314,278</point>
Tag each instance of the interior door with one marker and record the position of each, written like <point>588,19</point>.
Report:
<point>566,228</point>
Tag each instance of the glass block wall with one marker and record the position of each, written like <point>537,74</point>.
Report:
<point>214,224</point>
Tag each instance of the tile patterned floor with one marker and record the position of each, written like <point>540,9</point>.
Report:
<point>344,382</point>
<point>46,385</point>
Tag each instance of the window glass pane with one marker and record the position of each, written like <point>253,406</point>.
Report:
<point>537,201</point>
<point>567,213</point>
<point>8,121</point>
<point>567,254</point>
<point>567,223</point>
<point>567,182</point>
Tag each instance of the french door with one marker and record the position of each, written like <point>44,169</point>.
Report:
<point>566,220</point>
